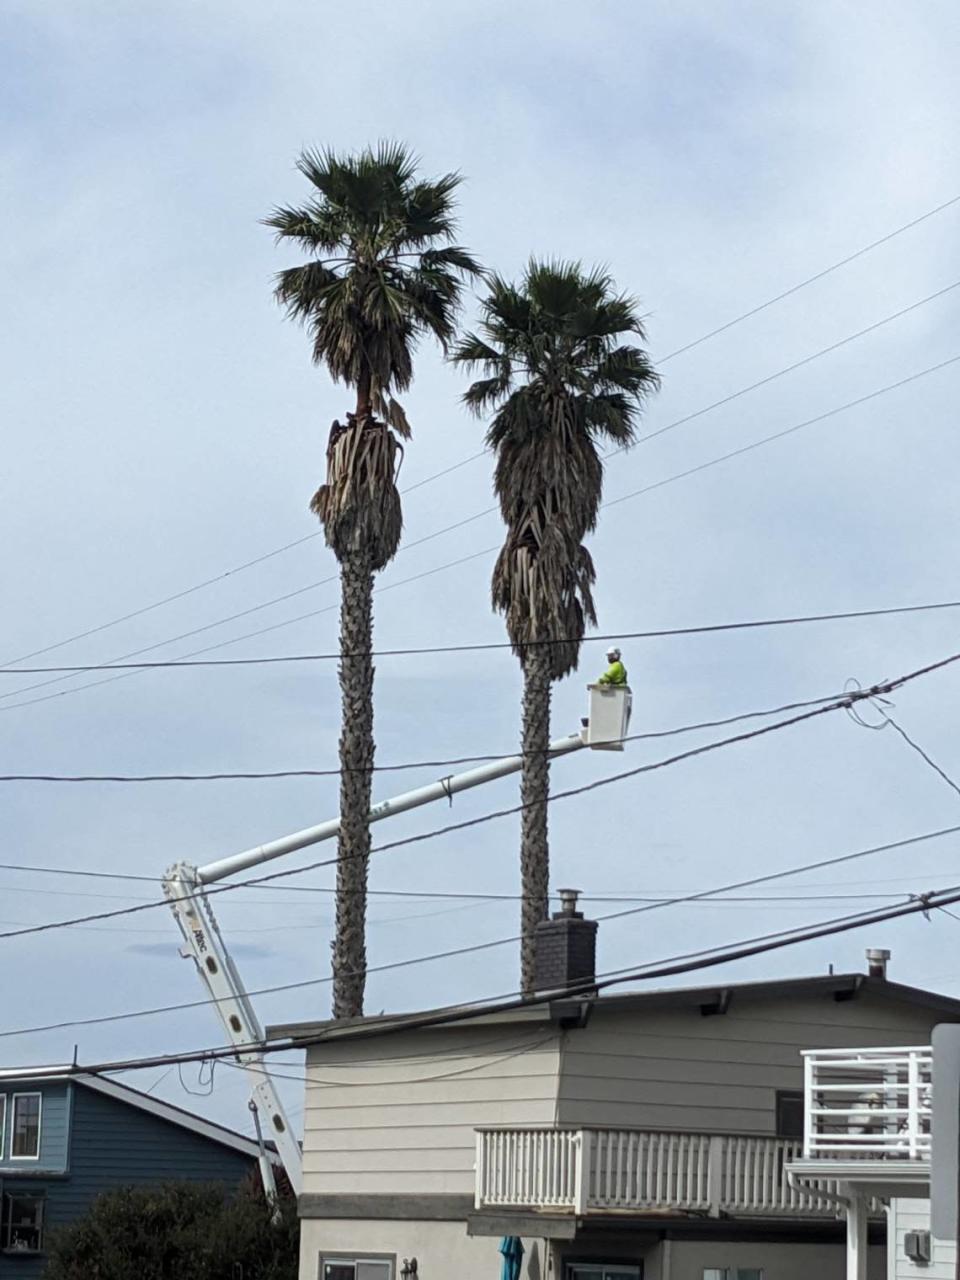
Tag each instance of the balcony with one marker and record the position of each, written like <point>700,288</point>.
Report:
<point>607,1171</point>
<point>867,1104</point>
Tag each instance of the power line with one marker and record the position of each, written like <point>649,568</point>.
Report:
<point>746,315</point>
<point>394,768</point>
<point>117,664</point>
<point>485,646</point>
<point>227,573</point>
<point>791,368</point>
<point>780,435</point>
<point>941,773</point>
<point>819,275</point>
<point>674,966</point>
<point>848,700</point>
<point>696,896</point>
<point>489,510</point>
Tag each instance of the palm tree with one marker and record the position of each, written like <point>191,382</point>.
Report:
<point>382,272</point>
<point>560,381</point>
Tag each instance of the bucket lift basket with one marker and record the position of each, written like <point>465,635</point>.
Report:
<point>609,720</point>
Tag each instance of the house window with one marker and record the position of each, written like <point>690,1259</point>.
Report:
<point>603,1271</point>
<point>356,1268</point>
<point>21,1223</point>
<point>732,1273</point>
<point>789,1116</point>
<point>25,1127</point>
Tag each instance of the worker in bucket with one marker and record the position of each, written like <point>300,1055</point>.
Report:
<point>616,672</point>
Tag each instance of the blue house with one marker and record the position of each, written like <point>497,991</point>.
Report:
<point>64,1140</point>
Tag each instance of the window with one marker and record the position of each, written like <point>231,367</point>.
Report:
<point>25,1127</point>
<point>789,1117</point>
<point>356,1268</point>
<point>21,1223</point>
<point>733,1273</point>
<point>603,1271</point>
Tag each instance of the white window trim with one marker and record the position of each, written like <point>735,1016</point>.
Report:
<point>3,1125</point>
<point>383,1259</point>
<point>13,1112</point>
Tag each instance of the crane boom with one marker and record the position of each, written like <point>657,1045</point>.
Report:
<point>184,888</point>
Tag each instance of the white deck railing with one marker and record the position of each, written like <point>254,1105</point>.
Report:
<point>607,1170</point>
<point>867,1104</point>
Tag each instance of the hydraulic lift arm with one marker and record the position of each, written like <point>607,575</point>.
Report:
<point>184,887</point>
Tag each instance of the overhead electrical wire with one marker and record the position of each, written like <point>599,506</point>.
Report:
<point>272,774</point>
<point>848,700</point>
<point>674,966</point>
<point>489,510</point>
<point>697,896</point>
<point>490,646</point>
<point>689,346</point>
<point>819,275</point>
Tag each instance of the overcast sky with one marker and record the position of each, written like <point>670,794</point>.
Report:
<point>163,425</point>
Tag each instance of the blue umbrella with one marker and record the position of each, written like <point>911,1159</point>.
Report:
<point>512,1249</point>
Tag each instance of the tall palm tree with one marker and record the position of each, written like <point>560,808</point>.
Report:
<point>559,381</point>
<point>382,272</point>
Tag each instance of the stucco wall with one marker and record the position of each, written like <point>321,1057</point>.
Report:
<point>689,1258</point>
<point>443,1250</point>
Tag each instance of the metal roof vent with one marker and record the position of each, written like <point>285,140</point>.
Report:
<point>877,959</point>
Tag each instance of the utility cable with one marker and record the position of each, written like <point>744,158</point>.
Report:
<point>487,646</point>
<point>674,966</point>
<point>841,704</point>
<point>819,275</point>
<point>393,768</point>
<point>697,896</point>
<point>489,510</point>
<point>848,700</point>
<point>696,342</point>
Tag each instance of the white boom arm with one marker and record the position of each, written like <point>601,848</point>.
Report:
<point>184,885</point>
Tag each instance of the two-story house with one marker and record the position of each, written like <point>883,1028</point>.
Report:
<point>638,1136</point>
<point>66,1139</point>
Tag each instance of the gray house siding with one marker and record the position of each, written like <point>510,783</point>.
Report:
<point>398,1115</point>
<point>717,1073</point>
<point>402,1117</point>
<point>114,1144</point>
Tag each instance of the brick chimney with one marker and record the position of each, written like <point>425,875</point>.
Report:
<point>566,947</point>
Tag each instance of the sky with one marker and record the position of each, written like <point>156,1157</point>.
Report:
<point>163,426</point>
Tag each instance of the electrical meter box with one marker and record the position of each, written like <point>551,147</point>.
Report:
<point>609,720</point>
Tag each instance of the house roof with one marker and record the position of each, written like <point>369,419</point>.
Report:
<point>714,998</point>
<point>133,1098</point>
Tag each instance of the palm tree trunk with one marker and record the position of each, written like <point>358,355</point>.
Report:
<point>534,790</point>
<point>356,764</point>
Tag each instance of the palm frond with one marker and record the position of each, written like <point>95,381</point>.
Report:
<point>558,380</point>
<point>392,275</point>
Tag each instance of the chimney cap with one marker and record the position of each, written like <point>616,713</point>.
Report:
<point>568,901</point>
<point>877,958</point>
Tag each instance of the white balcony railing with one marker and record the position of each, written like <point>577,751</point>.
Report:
<point>867,1104</point>
<point>608,1170</point>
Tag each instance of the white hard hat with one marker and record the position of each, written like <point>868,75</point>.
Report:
<point>614,654</point>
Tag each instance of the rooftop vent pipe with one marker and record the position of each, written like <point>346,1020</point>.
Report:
<point>877,962</point>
